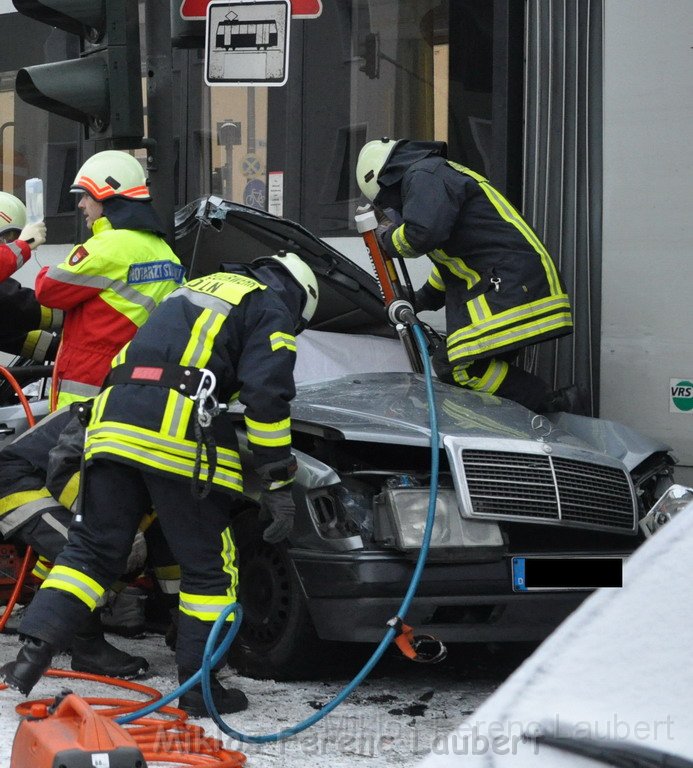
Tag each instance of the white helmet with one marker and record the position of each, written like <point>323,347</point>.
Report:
<point>12,213</point>
<point>370,163</point>
<point>304,277</point>
<point>112,174</point>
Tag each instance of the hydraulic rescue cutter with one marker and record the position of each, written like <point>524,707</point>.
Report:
<point>399,309</point>
<point>70,734</point>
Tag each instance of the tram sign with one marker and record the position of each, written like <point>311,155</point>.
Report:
<point>247,43</point>
<point>300,9</point>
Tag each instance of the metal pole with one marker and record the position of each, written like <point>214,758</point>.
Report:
<point>161,154</point>
<point>228,192</point>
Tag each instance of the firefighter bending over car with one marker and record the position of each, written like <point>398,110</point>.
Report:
<point>26,328</point>
<point>500,287</point>
<point>109,285</point>
<point>149,443</point>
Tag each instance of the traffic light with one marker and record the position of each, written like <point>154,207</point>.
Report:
<point>371,55</point>
<point>102,89</point>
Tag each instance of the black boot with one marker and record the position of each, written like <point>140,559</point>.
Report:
<point>123,614</point>
<point>91,652</point>
<point>226,700</point>
<point>32,661</point>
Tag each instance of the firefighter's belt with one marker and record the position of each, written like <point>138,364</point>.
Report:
<point>195,383</point>
<point>186,380</point>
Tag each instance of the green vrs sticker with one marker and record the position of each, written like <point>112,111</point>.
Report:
<point>681,395</point>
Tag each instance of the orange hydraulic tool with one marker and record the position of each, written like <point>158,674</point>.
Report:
<point>70,733</point>
<point>388,278</point>
<point>399,311</point>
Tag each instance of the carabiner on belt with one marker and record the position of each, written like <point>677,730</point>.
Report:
<point>207,403</point>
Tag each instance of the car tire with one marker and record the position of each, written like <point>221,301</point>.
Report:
<point>276,639</point>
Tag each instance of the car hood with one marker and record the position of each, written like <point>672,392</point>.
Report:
<point>393,408</point>
<point>212,233</point>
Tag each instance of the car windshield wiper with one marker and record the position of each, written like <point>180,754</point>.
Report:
<point>611,752</point>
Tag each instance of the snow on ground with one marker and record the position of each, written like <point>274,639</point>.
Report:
<point>394,718</point>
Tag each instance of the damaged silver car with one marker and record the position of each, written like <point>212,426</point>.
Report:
<point>533,512</point>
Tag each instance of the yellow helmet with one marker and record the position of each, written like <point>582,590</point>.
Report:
<point>370,163</point>
<point>303,276</point>
<point>112,174</point>
<point>12,213</point>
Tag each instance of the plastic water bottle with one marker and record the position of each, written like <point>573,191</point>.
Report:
<point>34,200</point>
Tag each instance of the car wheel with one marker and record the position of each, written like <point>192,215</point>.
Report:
<point>277,639</point>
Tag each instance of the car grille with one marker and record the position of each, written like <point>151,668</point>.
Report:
<point>548,488</point>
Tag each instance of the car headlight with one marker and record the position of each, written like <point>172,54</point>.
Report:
<point>676,498</point>
<point>400,521</point>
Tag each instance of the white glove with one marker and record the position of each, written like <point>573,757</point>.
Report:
<point>34,234</point>
<point>138,554</point>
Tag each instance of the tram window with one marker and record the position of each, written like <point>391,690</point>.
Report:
<point>374,68</point>
<point>238,139</point>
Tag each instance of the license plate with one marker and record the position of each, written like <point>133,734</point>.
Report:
<point>544,574</point>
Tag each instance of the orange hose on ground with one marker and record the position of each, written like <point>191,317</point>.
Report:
<point>26,562</point>
<point>171,740</point>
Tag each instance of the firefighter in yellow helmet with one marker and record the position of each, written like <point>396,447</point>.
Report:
<point>500,288</point>
<point>150,444</point>
<point>26,328</point>
<point>109,285</point>
<point>17,238</point>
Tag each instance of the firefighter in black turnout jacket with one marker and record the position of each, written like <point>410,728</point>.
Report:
<point>39,481</point>
<point>26,328</point>
<point>147,445</point>
<point>500,287</point>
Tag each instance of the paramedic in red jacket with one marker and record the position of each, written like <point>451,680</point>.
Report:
<point>109,285</point>
<point>26,328</point>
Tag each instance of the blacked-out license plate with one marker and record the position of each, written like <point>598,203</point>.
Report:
<point>531,574</point>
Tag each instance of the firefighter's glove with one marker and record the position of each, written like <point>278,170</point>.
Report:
<point>381,236</point>
<point>279,507</point>
<point>387,216</point>
<point>138,555</point>
<point>388,221</point>
<point>34,234</point>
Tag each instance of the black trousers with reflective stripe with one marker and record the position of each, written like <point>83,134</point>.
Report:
<point>46,533</point>
<point>519,385</point>
<point>116,497</point>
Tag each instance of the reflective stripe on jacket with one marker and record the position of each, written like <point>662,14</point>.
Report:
<point>22,319</point>
<point>12,256</point>
<point>502,289</point>
<point>108,288</point>
<point>230,324</point>
<point>23,469</point>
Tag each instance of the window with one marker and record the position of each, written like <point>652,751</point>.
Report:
<point>238,137</point>
<point>369,68</point>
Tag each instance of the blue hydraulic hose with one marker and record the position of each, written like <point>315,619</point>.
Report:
<point>195,679</point>
<point>212,657</point>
